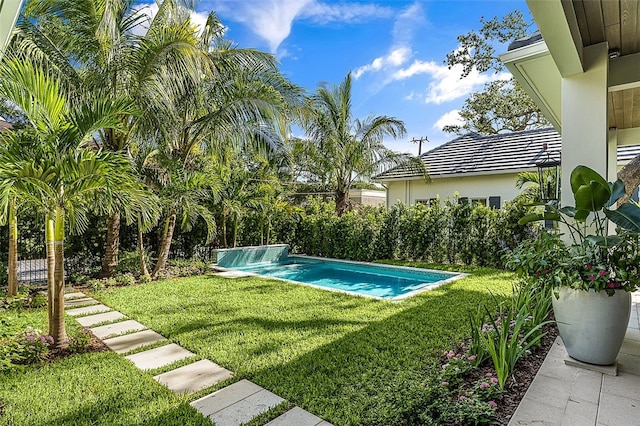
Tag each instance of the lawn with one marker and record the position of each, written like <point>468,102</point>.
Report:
<point>347,359</point>
<point>350,360</point>
<point>87,389</point>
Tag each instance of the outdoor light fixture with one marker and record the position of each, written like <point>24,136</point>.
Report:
<point>549,176</point>
<point>614,53</point>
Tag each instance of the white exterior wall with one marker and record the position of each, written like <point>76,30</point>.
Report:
<point>478,186</point>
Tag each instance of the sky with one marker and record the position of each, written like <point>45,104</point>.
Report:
<point>395,50</point>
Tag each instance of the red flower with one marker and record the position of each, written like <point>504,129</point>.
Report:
<point>589,266</point>
<point>602,273</point>
<point>592,277</point>
<point>613,284</point>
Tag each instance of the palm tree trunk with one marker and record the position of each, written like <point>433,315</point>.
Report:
<point>235,230</point>
<point>58,331</point>
<point>342,199</point>
<point>13,250</point>
<point>165,245</point>
<point>110,260</point>
<point>49,234</point>
<point>143,264</point>
<point>224,230</point>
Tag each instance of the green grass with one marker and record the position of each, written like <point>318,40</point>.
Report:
<point>88,389</point>
<point>350,360</point>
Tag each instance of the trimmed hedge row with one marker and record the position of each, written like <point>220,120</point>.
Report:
<point>451,232</point>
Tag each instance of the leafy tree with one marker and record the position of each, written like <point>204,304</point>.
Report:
<point>52,166</point>
<point>349,149</point>
<point>503,105</point>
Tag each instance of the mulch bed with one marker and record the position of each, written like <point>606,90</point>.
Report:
<point>517,385</point>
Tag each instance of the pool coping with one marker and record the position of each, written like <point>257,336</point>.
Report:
<point>430,286</point>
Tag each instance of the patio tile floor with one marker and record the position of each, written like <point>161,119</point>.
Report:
<point>564,395</point>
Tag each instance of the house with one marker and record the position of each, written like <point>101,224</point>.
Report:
<point>583,73</point>
<point>9,11</point>
<point>480,168</point>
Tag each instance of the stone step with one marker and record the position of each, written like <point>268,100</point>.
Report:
<point>193,377</point>
<point>83,301</point>
<point>236,404</point>
<point>298,417</point>
<point>98,318</point>
<point>117,328</point>
<point>93,309</point>
<point>74,295</point>
<point>159,357</point>
<point>129,342</point>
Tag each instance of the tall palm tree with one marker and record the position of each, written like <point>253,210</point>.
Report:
<point>97,45</point>
<point>54,169</point>
<point>351,149</point>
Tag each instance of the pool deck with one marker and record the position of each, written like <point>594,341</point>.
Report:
<point>565,395</point>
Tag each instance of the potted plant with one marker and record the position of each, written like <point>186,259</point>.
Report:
<point>592,272</point>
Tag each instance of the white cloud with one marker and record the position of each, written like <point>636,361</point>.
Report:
<point>151,9</point>
<point>272,20</point>
<point>400,51</point>
<point>450,118</point>
<point>395,58</point>
<point>324,13</point>
<point>446,84</point>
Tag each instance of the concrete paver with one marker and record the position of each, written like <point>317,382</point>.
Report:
<point>90,320</point>
<point>159,357</point>
<point>82,301</point>
<point>117,328</point>
<point>129,342</point>
<point>615,410</point>
<point>245,410</point>
<point>194,377</point>
<point>93,309</point>
<point>223,398</point>
<point>74,295</point>
<point>296,417</point>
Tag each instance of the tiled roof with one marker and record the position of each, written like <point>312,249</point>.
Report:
<point>508,152</point>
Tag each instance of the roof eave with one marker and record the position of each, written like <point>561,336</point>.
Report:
<point>534,68</point>
<point>9,12</point>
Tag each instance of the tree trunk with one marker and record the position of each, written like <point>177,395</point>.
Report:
<point>143,264</point>
<point>165,245</point>
<point>235,230</point>
<point>58,331</point>
<point>342,202</point>
<point>110,261</point>
<point>224,230</point>
<point>13,250</point>
<point>49,234</point>
<point>630,175</point>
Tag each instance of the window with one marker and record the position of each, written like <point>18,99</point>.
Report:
<point>479,201</point>
<point>494,202</point>
<point>423,202</point>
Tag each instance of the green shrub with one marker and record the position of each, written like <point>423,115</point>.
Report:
<point>95,284</point>
<point>79,340</point>
<point>125,279</point>
<point>28,346</point>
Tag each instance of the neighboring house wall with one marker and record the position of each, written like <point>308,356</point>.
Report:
<point>473,187</point>
<point>368,197</point>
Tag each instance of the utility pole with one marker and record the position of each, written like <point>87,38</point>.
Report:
<point>419,141</point>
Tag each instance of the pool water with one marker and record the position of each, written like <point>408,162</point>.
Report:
<point>366,279</point>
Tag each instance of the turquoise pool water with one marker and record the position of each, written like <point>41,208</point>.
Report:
<point>365,279</point>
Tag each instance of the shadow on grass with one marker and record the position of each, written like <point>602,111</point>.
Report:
<point>375,376</point>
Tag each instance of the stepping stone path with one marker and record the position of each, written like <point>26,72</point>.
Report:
<point>233,405</point>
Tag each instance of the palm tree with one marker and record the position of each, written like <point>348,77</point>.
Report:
<point>95,44</point>
<point>51,167</point>
<point>529,182</point>
<point>350,148</point>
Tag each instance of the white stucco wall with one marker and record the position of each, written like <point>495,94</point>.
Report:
<point>478,186</point>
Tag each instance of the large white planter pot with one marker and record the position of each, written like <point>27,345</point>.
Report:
<point>592,325</point>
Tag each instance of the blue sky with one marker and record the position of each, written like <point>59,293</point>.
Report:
<point>394,48</point>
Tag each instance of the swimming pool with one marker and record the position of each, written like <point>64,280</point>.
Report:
<point>360,278</point>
